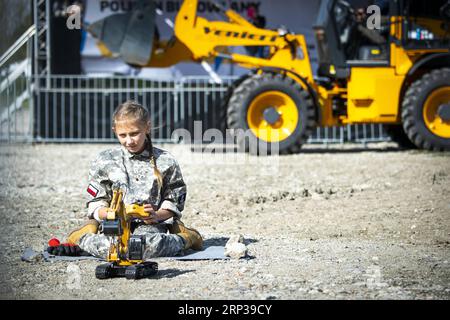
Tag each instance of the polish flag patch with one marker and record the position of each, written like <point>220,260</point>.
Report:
<point>93,191</point>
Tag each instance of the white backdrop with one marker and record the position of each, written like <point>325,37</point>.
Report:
<point>297,15</point>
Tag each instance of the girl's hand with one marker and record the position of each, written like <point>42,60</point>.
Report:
<point>103,213</point>
<point>153,217</point>
<point>150,208</point>
<point>156,216</point>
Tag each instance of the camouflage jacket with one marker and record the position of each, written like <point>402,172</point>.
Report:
<point>134,173</point>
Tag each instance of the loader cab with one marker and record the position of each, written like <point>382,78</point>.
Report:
<point>426,24</point>
<point>348,34</point>
<point>345,38</point>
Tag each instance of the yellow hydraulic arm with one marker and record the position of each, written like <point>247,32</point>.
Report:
<point>197,39</point>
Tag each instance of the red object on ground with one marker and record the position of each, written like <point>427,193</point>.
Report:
<point>53,242</point>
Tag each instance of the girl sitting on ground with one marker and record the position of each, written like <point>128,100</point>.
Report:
<point>150,175</point>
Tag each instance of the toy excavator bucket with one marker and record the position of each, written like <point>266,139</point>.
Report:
<point>129,35</point>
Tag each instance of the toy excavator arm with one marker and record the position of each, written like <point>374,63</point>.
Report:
<point>125,255</point>
<point>118,221</point>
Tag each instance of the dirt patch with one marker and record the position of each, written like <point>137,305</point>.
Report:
<point>338,222</point>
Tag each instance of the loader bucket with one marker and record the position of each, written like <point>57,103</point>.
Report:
<point>129,35</point>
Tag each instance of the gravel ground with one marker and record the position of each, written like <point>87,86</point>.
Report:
<point>339,222</point>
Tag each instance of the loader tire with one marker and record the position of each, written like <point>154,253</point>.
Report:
<point>224,101</point>
<point>273,111</point>
<point>426,111</point>
<point>398,135</point>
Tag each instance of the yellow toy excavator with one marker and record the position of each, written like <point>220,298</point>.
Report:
<point>396,72</point>
<point>125,256</point>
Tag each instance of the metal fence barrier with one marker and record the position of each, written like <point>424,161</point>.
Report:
<point>79,109</point>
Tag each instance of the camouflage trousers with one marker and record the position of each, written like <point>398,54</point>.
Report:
<point>158,242</point>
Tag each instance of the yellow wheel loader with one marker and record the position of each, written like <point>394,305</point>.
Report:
<point>389,66</point>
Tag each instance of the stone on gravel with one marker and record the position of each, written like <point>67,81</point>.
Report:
<point>236,238</point>
<point>235,247</point>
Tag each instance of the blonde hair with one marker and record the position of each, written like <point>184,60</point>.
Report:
<point>132,110</point>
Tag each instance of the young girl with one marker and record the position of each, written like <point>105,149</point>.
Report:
<point>149,175</point>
